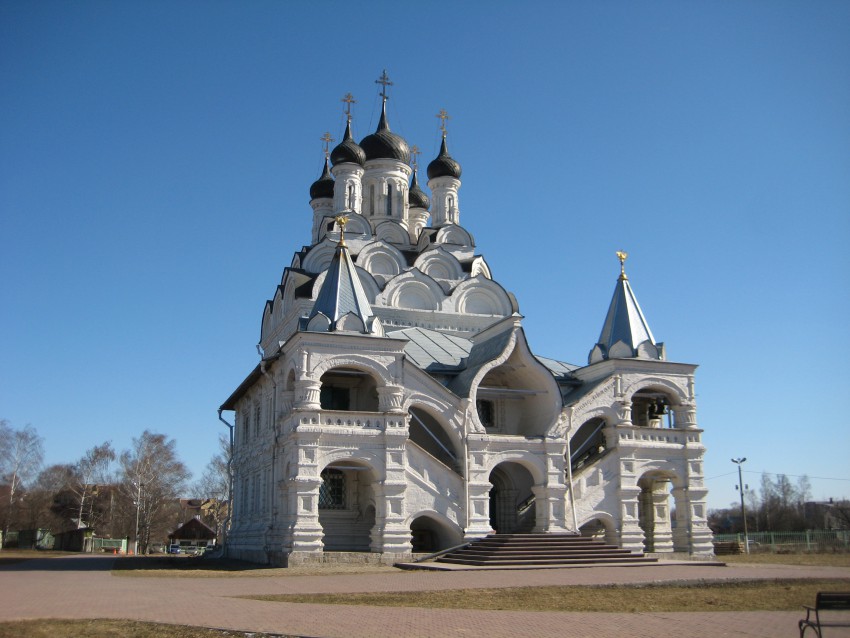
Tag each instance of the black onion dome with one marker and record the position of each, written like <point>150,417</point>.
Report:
<point>384,144</point>
<point>324,186</point>
<point>348,151</point>
<point>444,165</point>
<point>416,196</point>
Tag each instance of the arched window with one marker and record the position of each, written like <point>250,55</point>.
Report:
<point>332,490</point>
<point>350,197</point>
<point>371,199</point>
<point>389,200</point>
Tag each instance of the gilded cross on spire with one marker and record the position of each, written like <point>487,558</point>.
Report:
<point>416,153</point>
<point>341,221</point>
<point>327,139</point>
<point>349,100</point>
<point>443,115</point>
<point>384,81</point>
<point>622,256</point>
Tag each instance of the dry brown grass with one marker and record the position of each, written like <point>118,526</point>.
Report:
<point>191,567</point>
<point>816,560</point>
<point>728,596</point>
<point>114,629</point>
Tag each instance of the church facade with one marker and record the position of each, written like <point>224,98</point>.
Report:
<point>398,409</point>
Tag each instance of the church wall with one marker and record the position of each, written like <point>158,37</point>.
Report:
<point>288,431</point>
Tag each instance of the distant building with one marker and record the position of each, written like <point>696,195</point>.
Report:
<point>398,408</point>
<point>193,533</point>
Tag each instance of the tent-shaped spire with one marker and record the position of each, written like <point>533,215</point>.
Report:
<point>342,304</point>
<point>626,333</point>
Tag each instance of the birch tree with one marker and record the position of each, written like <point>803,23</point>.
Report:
<point>152,477</point>
<point>21,454</point>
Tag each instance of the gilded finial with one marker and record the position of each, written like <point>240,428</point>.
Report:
<point>622,256</point>
<point>341,221</point>
<point>416,153</point>
<point>443,115</point>
<point>384,81</point>
<point>327,139</point>
<point>349,100</point>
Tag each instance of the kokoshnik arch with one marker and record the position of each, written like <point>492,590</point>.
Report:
<point>397,407</point>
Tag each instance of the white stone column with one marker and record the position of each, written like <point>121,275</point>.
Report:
<point>391,399</point>
<point>307,394</point>
<point>630,534</point>
<point>306,531</point>
<point>661,530</point>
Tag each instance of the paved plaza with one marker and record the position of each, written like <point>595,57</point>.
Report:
<point>84,587</point>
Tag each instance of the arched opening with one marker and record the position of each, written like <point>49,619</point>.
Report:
<point>512,506</point>
<point>429,434</point>
<point>518,397</point>
<point>430,534</point>
<point>651,409</point>
<point>654,514</point>
<point>599,529</point>
<point>346,506</point>
<point>587,444</point>
<point>347,389</point>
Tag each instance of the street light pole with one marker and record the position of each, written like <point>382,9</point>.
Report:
<point>138,506</point>
<point>739,462</point>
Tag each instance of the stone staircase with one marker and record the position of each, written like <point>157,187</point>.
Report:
<point>534,550</point>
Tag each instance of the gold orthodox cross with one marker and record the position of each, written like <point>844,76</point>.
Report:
<point>327,139</point>
<point>341,221</point>
<point>416,153</point>
<point>384,81</point>
<point>622,256</point>
<point>349,100</point>
<point>443,117</point>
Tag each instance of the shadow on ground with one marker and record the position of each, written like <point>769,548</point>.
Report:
<point>76,563</point>
<point>186,564</point>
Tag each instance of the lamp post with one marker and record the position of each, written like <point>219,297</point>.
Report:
<point>740,486</point>
<point>138,507</point>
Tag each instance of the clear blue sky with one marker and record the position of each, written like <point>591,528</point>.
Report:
<point>156,157</point>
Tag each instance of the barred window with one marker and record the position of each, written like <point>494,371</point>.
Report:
<point>486,413</point>
<point>332,490</point>
<point>257,414</point>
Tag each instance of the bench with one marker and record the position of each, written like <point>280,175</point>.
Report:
<point>826,600</point>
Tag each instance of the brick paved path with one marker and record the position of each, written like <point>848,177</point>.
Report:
<point>83,587</point>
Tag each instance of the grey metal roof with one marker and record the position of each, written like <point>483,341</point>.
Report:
<point>432,350</point>
<point>342,291</point>
<point>482,352</point>
<point>625,321</point>
<point>558,368</point>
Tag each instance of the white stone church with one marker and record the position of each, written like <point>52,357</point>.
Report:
<point>398,409</point>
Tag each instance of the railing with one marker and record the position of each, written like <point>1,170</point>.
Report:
<point>363,420</point>
<point>808,541</point>
<point>109,545</point>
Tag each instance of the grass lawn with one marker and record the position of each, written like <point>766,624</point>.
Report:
<point>731,596</point>
<point>115,629</point>
<point>818,560</point>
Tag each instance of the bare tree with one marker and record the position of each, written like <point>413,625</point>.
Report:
<point>48,503</point>
<point>21,453</point>
<point>213,488</point>
<point>92,469</point>
<point>152,476</point>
